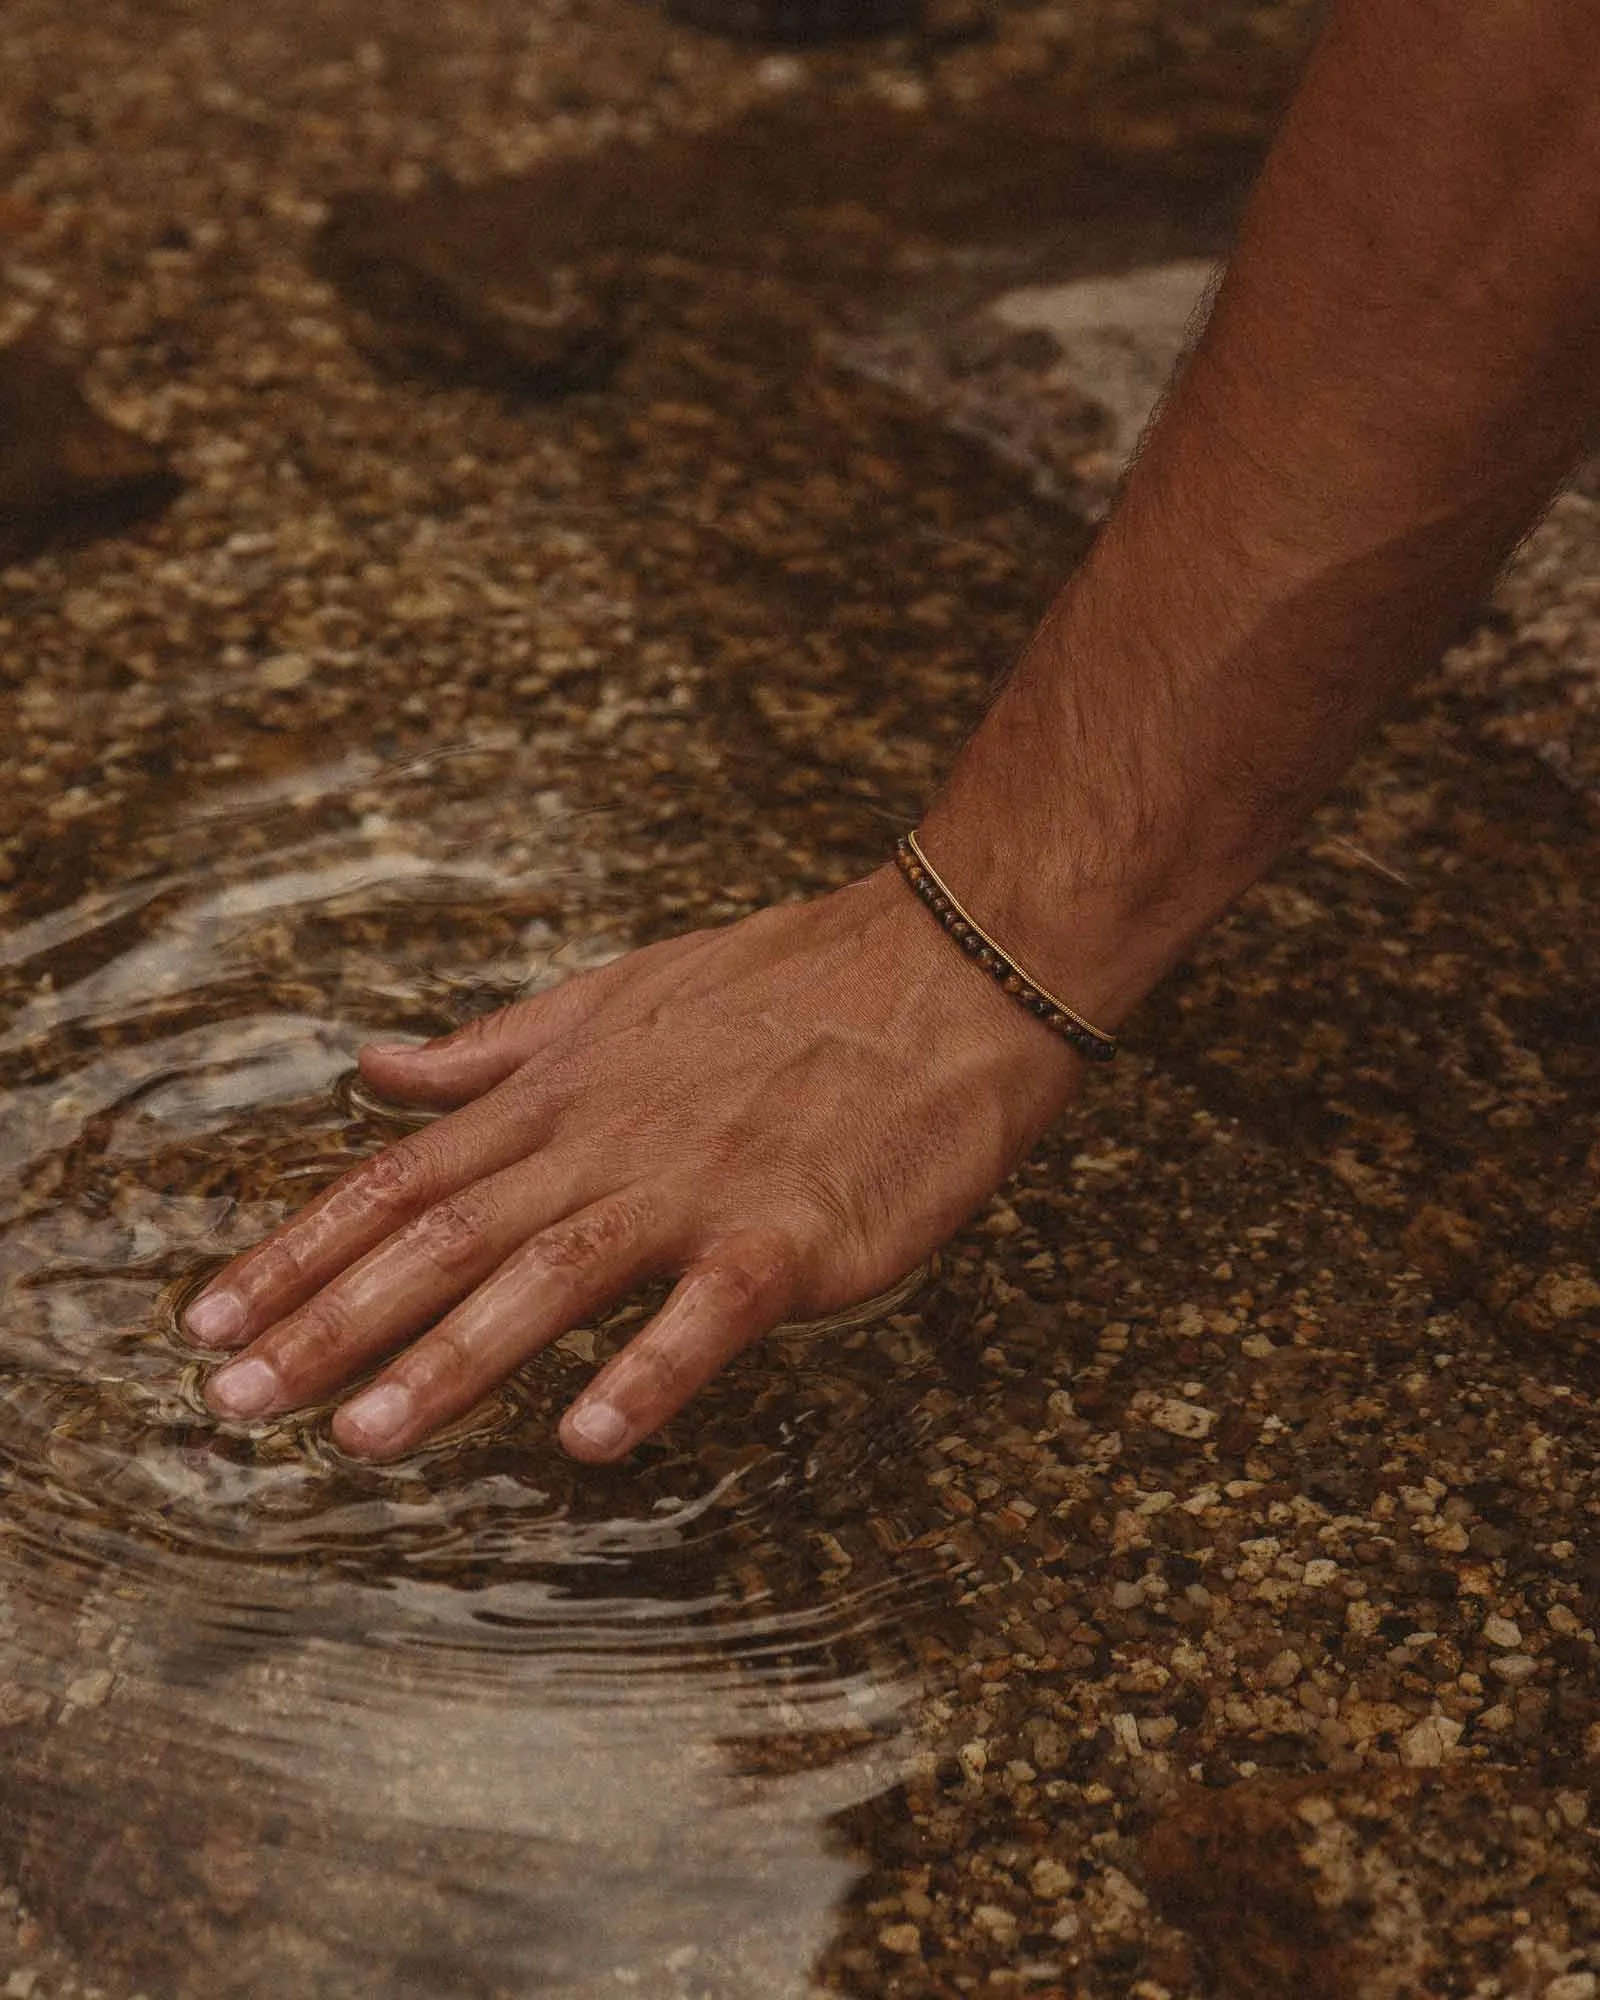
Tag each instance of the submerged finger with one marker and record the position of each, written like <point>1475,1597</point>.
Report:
<point>720,1306</point>
<point>354,1215</point>
<point>567,1274</point>
<point>397,1290</point>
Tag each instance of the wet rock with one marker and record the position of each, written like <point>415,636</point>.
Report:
<point>540,282</point>
<point>1531,671</point>
<point>1058,379</point>
<point>1122,334</point>
<point>1006,387</point>
<point>428,287</point>
<point>66,472</point>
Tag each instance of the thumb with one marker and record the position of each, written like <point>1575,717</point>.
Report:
<point>455,1068</point>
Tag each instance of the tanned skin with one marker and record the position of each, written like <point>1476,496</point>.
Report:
<point>1401,364</point>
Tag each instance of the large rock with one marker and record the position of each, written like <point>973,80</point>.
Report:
<point>66,472</point>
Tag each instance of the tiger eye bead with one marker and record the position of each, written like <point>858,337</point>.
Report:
<point>949,915</point>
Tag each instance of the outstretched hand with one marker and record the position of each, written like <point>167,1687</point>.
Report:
<point>786,1115</point>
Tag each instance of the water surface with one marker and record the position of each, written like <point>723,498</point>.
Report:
<point>484,1721</point>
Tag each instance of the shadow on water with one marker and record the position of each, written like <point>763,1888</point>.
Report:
<point>487,1722</point>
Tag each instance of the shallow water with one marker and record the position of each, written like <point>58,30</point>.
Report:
<point>585,1718</point>
<point>488,1722</point>
<point>1117,1539</point>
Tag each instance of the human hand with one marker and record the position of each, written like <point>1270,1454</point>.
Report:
<point>787,1113</point>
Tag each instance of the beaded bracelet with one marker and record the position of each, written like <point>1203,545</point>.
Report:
<point>1091,1042</point>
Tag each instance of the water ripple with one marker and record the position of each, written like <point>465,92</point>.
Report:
<point>515,1724</point>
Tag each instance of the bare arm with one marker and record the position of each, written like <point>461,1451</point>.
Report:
<point>1402,361</point>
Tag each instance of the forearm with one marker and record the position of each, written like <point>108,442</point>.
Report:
<point>1403,360</point>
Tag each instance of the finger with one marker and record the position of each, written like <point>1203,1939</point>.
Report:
<point>458,1067</point>
<point>407,1283</point>
<point>720,1306</point>
<point>353,1216</point>
<point>564,1276</point>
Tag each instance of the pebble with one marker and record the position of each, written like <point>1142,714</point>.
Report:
<point>1180,1419</point>
<point>1430,1742</point>
<point>1049,1880</point>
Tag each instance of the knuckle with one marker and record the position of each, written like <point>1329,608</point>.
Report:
<point>574,1247</point>
<point>752,1280</point>
<point>397,1179</point>
<point>450,1234</point>
<point>445,1361</point>
<point>274,1268</point>
<point>824,1212</point>
<point>736,1288</point>
<point>656,1371</point>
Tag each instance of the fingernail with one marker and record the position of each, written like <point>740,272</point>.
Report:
<point>601,1424</point>
<point>244,1389</point>
<point>215,1318</point>
<point>378,1416</point>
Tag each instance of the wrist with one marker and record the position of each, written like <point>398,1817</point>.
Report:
<point>1082,826</point>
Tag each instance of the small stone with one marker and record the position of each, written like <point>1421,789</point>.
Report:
<point>1125,1728</point>
<point>1566,1294</point>
<point>992,1918</point>
<point>1430,1742</point>
<point>1502,1632</point>
<point>1514,1667</point>
<point>973,1758</point>
<point>1049,1880</point>
<point>1362,1618</point>
<point>1180,1419</point>
<point>903,1939</point>
<point>1319,1573</point>
<point>1573,1986</point>
<point>284,671</point>
<point>89,1690</point>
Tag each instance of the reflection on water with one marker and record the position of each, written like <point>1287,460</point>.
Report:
<point>483,1722</point>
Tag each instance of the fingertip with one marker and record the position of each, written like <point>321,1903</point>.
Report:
<point>245,1389</point>
<point>376,1423</point>
<point>596,1432</point>
<point>216,1319</point>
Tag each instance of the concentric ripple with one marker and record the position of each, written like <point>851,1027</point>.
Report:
<point>483,1721</point>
